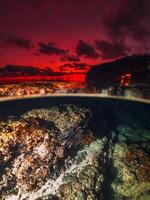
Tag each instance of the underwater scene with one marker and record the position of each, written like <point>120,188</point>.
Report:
<point>74,148</point>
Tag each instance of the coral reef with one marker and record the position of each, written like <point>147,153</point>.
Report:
<point>58,153</point>
<point>31,151</point>
<point>133,172</point>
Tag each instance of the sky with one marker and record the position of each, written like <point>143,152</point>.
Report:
<point>71,35</point>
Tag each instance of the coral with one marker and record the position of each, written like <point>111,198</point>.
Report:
<point>59,153</point>
<point>133,175</point>
<point>31,151</point>
<point>135,135</point>
<point>85,179</point>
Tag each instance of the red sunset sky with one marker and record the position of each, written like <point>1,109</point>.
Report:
<point>55,33</point>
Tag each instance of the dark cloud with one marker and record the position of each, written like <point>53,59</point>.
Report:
<point>19,70</point>
<point>124,23</point>
<point>14,40</point>
<point>81,66</point>
<point>124,19</point>
<point>74,66</point>
<point>85,49</point>
<point>50,49</point>
<point>70,58</point>
<point>24,6</point>
<point>33,4</point>
<point>110,50</point>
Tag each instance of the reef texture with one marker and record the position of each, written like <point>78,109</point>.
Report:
<point>55,153</point>
<point>132,172</point>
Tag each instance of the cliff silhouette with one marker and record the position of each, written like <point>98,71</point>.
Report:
<point>109,74</point>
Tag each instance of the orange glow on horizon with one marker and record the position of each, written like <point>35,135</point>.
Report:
<point>70,77</point>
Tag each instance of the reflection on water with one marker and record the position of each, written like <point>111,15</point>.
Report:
<point>94,150</point>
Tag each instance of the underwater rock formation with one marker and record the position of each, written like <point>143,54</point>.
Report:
<point>133,174</point>
<point>59,153</point>
<point>32,150</point>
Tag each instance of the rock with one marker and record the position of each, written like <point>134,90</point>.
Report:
<point>63,117</point>
<point>99,77</point>
<point>126,133</point>
<point>133,175</point>
<point>57,153</point>
<point>80,181</point>
<point>138,136</point>
<point>40,146</point>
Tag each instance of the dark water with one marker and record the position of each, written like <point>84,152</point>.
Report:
<point>18,106</point>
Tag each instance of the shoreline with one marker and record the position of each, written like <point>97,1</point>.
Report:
<point>100,96</point>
